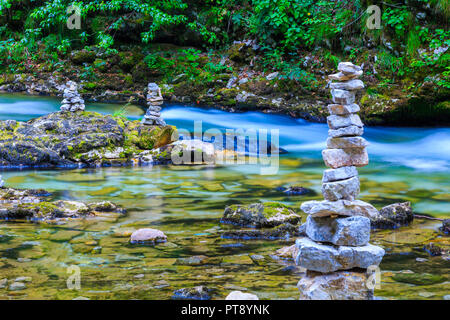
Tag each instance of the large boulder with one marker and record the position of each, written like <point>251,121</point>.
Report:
<point>74,139</point>
<point>260,215</point>
<point>342,285</point>
<point>394,216</point>
<point>327,258</point>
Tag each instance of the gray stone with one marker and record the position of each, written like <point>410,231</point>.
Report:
<point>337,158</point>
<point>336,122</point>
<point>347,143</point>
<point>342,173</point>
<point>326,208</point>
<point>16,286</point>
<point>342,285</point>
<point>343,109</point>
<point>394,216</point>
<point>342,96</point>
<point>3,283</point>
<point>344,77</point>
<point>348,68</point>
<point>347,189</point>
<point>239,295</point>
<point>323,258</point>
<point>272,75</point>
<point>348,231</point>
<point>346,131</point>
<point>354,84</point>
<point>148,235</point>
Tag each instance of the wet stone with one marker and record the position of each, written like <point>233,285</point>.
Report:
<point>195,293</point>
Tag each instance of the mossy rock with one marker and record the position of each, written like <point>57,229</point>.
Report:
<point>260,215</point>
<point>83,56</point>
<point>418,278</point>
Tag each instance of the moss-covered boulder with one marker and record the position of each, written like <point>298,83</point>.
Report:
<point>260,215</point>
<point>36,205</point>
<point>82,56</point>
<point>78,139</point>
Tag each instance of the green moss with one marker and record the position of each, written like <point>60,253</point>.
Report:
<point>273,208</point>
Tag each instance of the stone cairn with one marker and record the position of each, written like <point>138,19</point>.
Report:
<point>72,99</point>
<point>336,250</point>
<point>154,101</point>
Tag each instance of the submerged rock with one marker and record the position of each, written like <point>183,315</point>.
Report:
<point>394,216</point>
<point>260,215</point>
<point>74,139</point>
<point>296,190</point>
<point>445,226</point>
<point>342,285</point>
<point>35,205</point>
<point>195,293</point>
<point>283,231</point>
<point>148,235</point>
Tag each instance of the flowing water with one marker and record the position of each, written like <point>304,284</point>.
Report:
<point>407,164</point>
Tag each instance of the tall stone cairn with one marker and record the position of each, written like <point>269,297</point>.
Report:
<point>338,228</point>
<point>72,99</point>
<point>154,101</point>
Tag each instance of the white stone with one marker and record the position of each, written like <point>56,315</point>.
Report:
<point>346,131</point>
<point>341,190</point>
<point>336,158</point>
<point>343,109</point>
<point>342,96</point>
<point>327,258</point>
<point>148,235</point>
<point>326,208</point>
<point>348,231</point>
<point>354,84</point>
<point>272,76</point>
<point>348,68</point>
<point>347,143</point>
<point>342,173</point>
<point>336,122</point>
<point>239,295</point>
<point>2,183</point>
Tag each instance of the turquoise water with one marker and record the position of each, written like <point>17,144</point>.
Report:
<point>407,164</point>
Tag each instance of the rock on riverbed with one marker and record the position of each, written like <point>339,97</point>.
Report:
<point>74,139</point>
<point>35,205</point>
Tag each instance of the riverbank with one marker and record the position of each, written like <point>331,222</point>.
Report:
<point>235,80</point>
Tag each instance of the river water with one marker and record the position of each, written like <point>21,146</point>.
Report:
<point>407,164</point>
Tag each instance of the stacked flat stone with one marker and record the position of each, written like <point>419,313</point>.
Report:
<point>338,228</point>
<point>154,101</point>
<point>72,99</point>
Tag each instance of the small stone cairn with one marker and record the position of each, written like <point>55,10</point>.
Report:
<point>154,101</point>
<point>338,228</point>
<point>72,100</point>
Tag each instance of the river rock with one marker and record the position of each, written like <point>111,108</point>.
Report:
<point>341,173</point>
<point>342,285</point>
<point>340,76</point>
<point>324,258</point>
<point>355,84</point>
<point>346,131</point>
<point>342,96</point>
<point>348,68</point>
<point>289,252</point>
<point>347,189</point>
<point>394,216</point>
<point>445,226</point>
<point>336,158</point>
<point>349,231</point>
<point>16,286</point>
<point>239,295</point>
<point>342,109</point>
<point>347,143</point>
<point>3,283</point>
<point>195,293</point>
<point>336,122</point>
<point>339,208</point>
<point>148,235</point>
<point>260,215</point>
<point>283,231</point>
